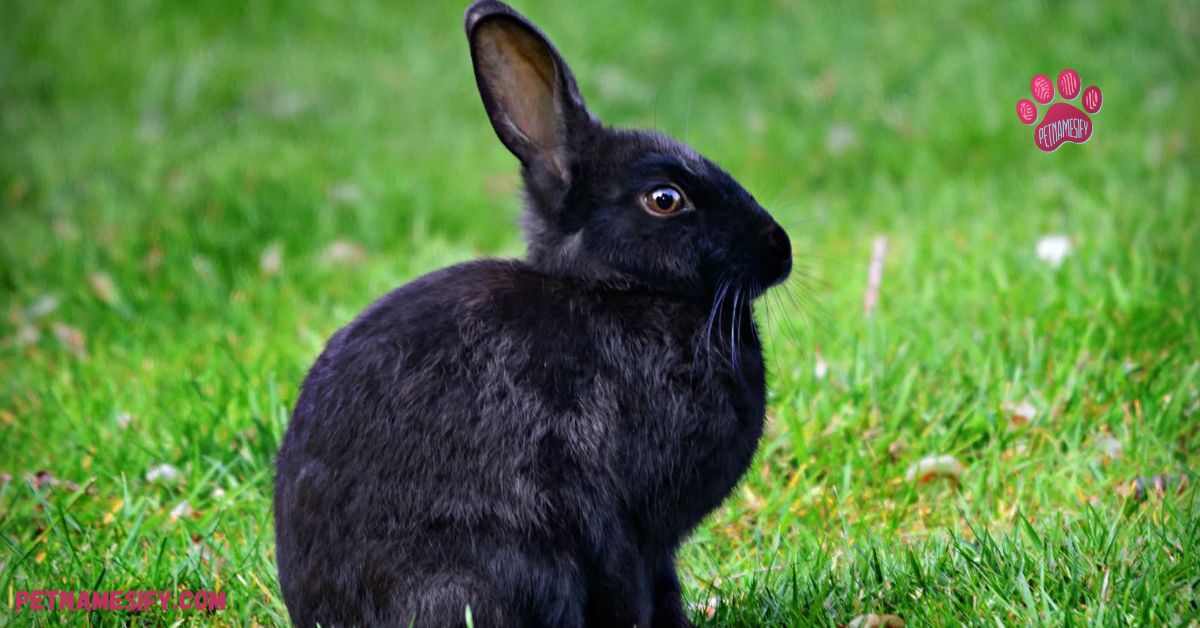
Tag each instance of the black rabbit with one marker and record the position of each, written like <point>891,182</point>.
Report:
<point>533,439</point>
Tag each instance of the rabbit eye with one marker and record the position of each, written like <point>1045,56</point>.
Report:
<point>663,201</point>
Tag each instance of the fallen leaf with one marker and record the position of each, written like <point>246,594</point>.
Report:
<point>111,514</point>
<point>203,552</point>
<point>103,286</point>
<point>820,366</point>
<point>708,607</point>
<point>184,509</point>
<point>72,338</point>
<point>153,259</point>
<point>1020,413</point>
<point>753,501</point>
<point>345,192</point>
<point>932,467</point>
<point>840,138</point>
<point>27,335</point>
<point>1143,487</point>
<point>879,249</point>
<point>44,305</point>
<point>43,478</point>
<point>1109,446</point>
<point>271,260</point>
<point>164,473</point>
<point>1053,249</point>
<point>871,620</point>
<point>343,252</point>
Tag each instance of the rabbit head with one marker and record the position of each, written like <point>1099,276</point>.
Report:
<point>607,204</point>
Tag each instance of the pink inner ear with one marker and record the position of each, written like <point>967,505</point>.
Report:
<point>520,73</point>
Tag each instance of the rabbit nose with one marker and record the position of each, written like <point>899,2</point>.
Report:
<point>778,253</point>
<point>778,240</point>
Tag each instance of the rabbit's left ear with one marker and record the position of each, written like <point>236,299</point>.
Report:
<point>528,91</point>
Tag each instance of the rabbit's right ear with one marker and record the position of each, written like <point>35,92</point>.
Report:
<point>528,91</point>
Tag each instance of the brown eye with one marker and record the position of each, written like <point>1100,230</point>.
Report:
<point>663,201</point>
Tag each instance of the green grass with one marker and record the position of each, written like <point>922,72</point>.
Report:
<point>169,147</point>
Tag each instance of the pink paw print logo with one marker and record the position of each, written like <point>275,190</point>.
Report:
<point>1063,122</point>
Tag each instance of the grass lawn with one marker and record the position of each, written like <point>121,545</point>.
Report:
<point>194,196</point>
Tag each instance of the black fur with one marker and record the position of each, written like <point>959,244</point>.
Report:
<point>533,439</point>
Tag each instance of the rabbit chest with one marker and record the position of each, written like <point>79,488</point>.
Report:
<point>640,398</point>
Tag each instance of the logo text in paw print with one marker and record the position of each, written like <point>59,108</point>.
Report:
<point>1063,122</point>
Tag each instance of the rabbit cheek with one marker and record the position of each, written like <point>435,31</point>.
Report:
<point>656,251</point>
